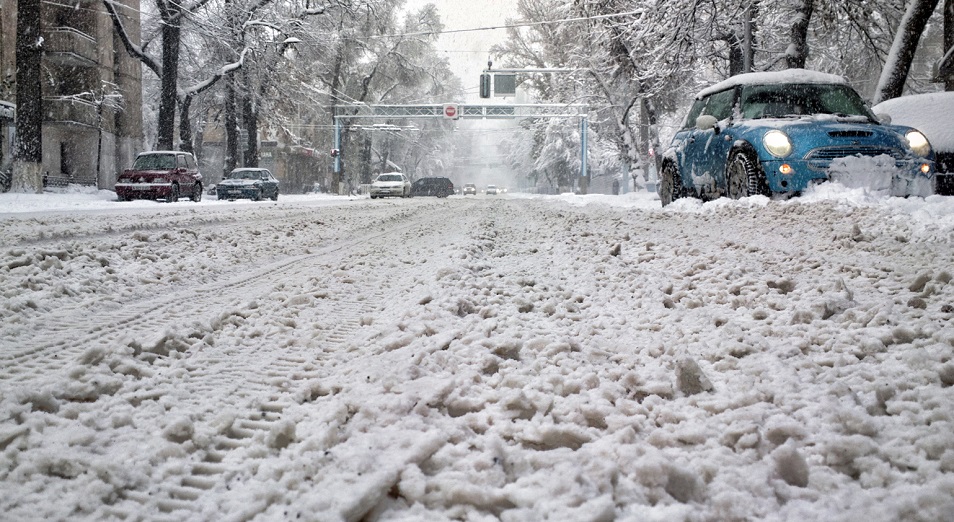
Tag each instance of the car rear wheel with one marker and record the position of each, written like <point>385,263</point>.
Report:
<point>197,192</point>
<point>173,194</point>
<point>744,177</point>
<point>670,187</point>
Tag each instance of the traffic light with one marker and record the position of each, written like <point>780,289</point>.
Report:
<point>485,85</point>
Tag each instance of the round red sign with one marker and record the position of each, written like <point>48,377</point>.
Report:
<point>450,111</point>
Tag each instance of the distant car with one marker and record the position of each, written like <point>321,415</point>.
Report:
<point>440,187</point>
<point>392,184</point>
<point>779,132</point>
<point>470,188</point>
<point>492,190</point>
<point>161,174</point>
<point>932,114</point>
<point>248,183</point>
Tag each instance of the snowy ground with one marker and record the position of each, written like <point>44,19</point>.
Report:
<point>480,358</point>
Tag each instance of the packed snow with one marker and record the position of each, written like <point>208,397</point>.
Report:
<point>510,357</point>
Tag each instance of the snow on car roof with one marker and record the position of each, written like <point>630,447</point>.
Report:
<point>773,77</point>
<point>929,113</point>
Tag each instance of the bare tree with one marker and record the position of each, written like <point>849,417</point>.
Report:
<point>894,74</point>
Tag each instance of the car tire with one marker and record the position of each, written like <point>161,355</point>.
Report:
<point>197,192</point>
<point>670,185</point>
<point>173,194</point>
<point>275,195</point>
<point>257,196</point>
<point>744,176</point>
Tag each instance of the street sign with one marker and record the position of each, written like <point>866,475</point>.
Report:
<point>505,84</point>
<point>451,111</point>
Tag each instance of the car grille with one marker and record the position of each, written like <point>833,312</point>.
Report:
<point>820,159</point>
<point>830,153</point>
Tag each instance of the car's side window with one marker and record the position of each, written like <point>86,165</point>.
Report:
<point>694,113</point>
<point>720,104</point>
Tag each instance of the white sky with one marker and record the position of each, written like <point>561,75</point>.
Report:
<point>468,51</point>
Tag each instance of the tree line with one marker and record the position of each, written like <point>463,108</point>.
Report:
<point>282,63</point>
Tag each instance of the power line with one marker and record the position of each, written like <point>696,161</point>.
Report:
<point>496,27</point>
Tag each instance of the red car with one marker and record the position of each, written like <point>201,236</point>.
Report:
<point>162,174</point>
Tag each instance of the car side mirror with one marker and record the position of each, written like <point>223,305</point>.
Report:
<point>706,122</point>
<point>884,118</point>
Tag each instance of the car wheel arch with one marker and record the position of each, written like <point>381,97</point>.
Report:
<point>755,180</point>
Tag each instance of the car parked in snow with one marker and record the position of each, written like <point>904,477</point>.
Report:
<point>470,188</point>
<point>390,184</point>
<point>248,183</point>
<point>436,186</point>
<point>161,174</point>
<point>779,132</point>
<point>932,114</point>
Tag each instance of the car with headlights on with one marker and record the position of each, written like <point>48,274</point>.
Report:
<point>390,184</point>
<point>162,175</point>
<point>933,114</point>
<point>492,190</point>
<point>470,188</point>
<point>777,133</point>
<point>248,183</point>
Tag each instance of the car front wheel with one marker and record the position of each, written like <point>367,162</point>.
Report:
<point>197,192</point>
<point>669,184</point>
<point>744,177</point>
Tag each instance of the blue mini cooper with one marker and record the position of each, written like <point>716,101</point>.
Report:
<point>779,132</point>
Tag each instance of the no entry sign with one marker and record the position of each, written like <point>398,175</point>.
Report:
<point>451,111</point>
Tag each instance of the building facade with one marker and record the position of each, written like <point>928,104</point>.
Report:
<point>92,91</point>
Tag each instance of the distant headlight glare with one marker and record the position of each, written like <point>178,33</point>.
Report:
<point>918,143</point>
<point>777,143</point>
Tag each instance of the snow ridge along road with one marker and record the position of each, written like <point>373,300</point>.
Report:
<point>477,359</point>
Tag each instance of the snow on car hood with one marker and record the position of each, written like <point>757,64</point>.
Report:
<point>238,182</point>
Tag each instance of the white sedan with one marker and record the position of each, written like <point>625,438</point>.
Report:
<point>390,184</point>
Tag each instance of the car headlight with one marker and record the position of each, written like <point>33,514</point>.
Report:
<point>777,143</point>
<point>918,143</point>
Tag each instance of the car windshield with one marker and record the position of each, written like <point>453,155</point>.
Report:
<point>245,174</point>
<point>389,177</point>
<point>155,162</point>
<point>793,100</point>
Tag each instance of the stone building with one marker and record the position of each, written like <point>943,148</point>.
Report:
<point>92,91</point>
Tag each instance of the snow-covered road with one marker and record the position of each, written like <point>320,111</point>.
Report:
<point>482,358</point>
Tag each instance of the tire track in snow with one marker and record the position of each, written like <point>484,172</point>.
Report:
<point>240,367</point>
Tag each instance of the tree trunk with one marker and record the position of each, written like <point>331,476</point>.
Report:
<point>250,118</point>
<point>28,153</point>
<point>797,54</point>
<point>185,125</point>
<point>898,64</point>
<point>231,126</point>
<point>948,39</point>
<point>168,96</point>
